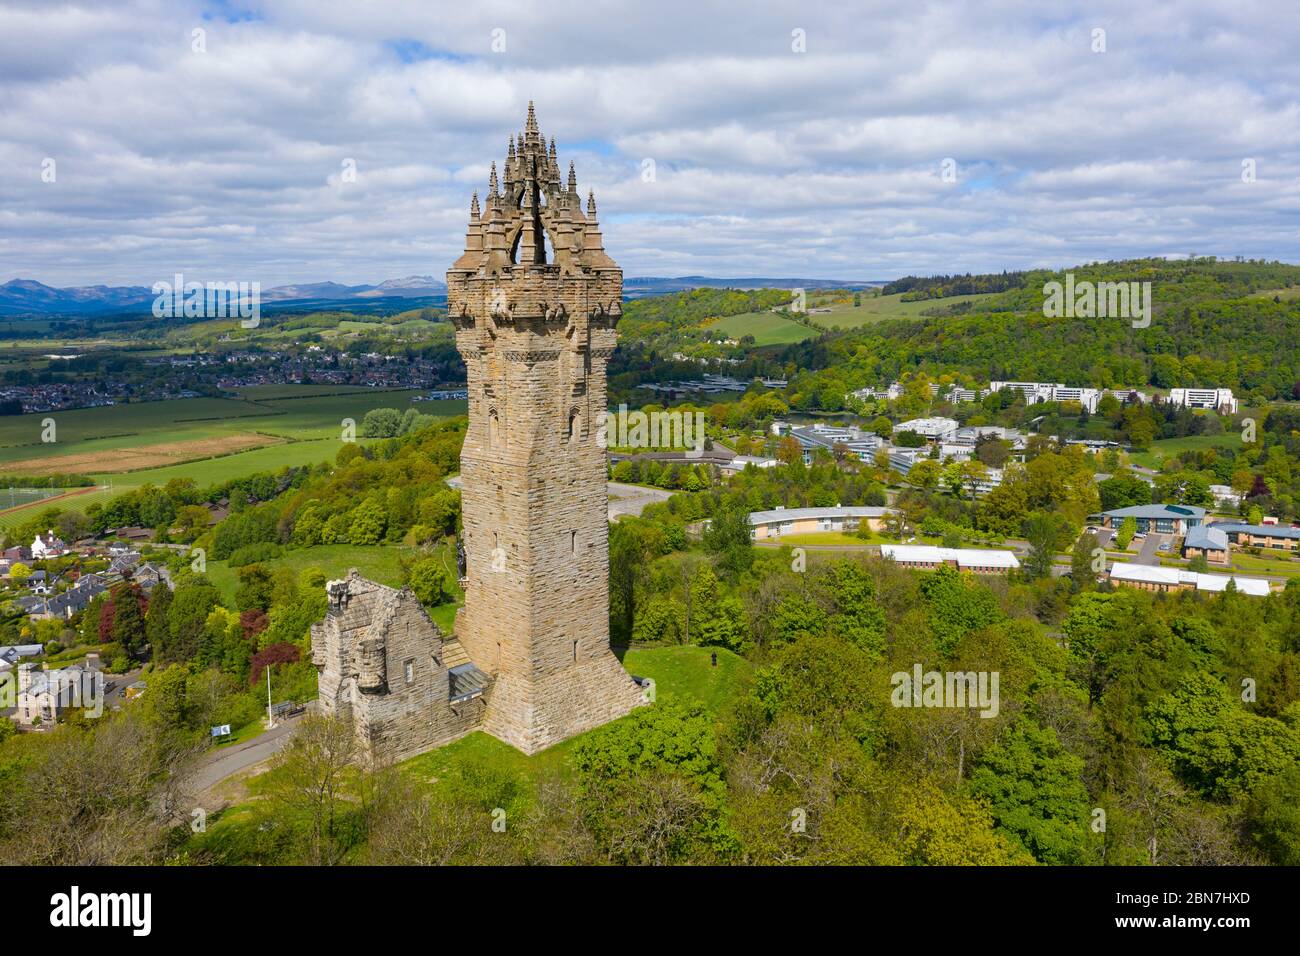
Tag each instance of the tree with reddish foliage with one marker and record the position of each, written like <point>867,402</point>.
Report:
<point>253,621</point>
<point>128,621</point>
<point>106,620</point>
<point>275,654</point>
<point>1260,488</point>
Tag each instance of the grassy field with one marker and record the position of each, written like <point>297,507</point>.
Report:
<point>838,539</point>
<point>204,472</point>
<point>877,308</point>
<point>1265,564</point>
<point>113,427</point>
<point>125,446</point>
<point>378,562</point>
<point>98,436</point>
<point>1171,447</point>
<point>767,328</point>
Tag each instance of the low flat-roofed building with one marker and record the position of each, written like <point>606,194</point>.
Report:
<point>971,434</point>
<point>1207,540</point>
<point>766,525</point>
<point>1260,535</point>
<point>740,462</point>
<point>928,557</point>
<point>1153,578</point>
<point>859,443</point>
<point>934,429</point>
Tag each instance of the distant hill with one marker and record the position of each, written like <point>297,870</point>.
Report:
<point>27,297</point>
<point>655,285</point>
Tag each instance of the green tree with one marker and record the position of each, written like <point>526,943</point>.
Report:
<point>1032,787</point>
<point>729,537</point>
<point>1082,574</point>
<point>427,579</point>
<point>256,587</point>
<point>156,627</point>
<point>129,618</point>
<point>381,423</point>
<point>1124,536</point>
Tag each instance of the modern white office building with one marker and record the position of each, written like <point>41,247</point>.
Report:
<point>1218,399</point>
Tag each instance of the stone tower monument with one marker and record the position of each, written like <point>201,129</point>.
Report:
<point>534,300</point>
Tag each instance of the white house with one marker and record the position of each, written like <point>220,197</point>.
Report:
<point>48,545</point>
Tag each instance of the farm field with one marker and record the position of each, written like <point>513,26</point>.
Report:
<point>122,426</point>
<point>204,472</point>
<point>321,416</point>
<point>140,457</point>
<point>284,411</point>
<point>767,328</point>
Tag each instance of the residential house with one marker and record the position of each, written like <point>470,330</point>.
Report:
<point>48,545</point>
<point>46,695</point>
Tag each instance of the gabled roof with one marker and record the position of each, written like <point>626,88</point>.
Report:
<point>1272,530</point>
<point>1206,537</point>
<point>1173,577</point>
<point>964,557</point>
<point>805,514</point>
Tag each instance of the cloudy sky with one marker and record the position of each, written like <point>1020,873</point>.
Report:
<point>785,139</point>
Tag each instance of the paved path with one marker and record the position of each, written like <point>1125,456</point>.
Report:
<point>632,499</point>
<point>232,758</point>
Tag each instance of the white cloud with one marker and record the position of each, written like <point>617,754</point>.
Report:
<point>825,163</point>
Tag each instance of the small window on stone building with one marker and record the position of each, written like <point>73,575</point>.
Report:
<point>494,429</point>
<point>573,541</point>
<point>575,425</point>
<point>409,668</point>
<point>575,650</point>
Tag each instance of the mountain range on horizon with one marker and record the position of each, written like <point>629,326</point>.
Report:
<point>30,297</point>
